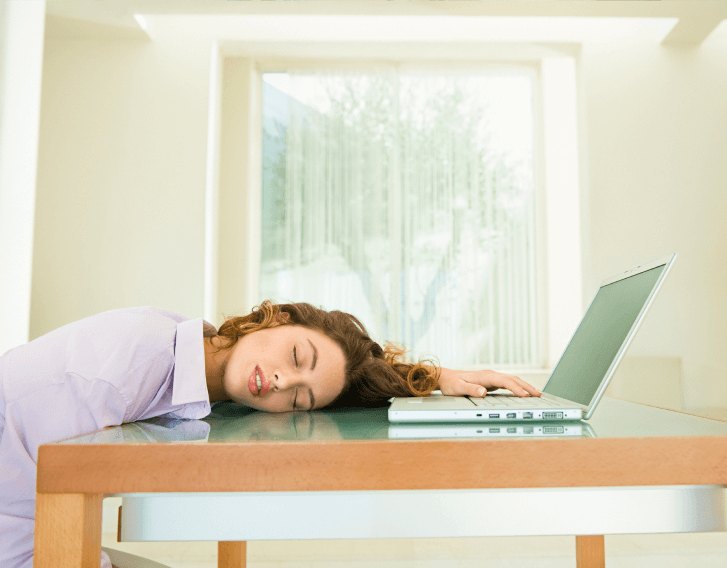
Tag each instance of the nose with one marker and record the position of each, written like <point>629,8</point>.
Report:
<point>279,382</point>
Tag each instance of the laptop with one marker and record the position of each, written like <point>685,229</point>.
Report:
<point>583,372</point>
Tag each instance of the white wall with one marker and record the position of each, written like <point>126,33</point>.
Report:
<point>21,57</point>
<point>121,179</point>
<point>657,183</point>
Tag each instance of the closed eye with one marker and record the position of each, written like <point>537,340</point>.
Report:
<point>295,358</point>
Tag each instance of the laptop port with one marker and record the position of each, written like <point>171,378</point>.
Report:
<point>512,430</point>
<point>551,415</point>
<point>494,430</point>
<point>479,415</point>
<point>511,415</point>
<point>494,416</point>
<point>527,415</point>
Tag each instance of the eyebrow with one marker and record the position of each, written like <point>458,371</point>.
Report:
<point>313,366</point>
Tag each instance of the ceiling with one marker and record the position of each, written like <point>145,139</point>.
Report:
<point>415,21</point>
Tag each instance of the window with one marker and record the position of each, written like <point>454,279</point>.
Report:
<point>408,199</point>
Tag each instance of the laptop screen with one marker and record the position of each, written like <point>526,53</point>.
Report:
<point>600,335</point>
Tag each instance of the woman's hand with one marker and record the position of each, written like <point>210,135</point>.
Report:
<point>478,383</point>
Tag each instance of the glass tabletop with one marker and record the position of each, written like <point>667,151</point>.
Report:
<point>230,422</point>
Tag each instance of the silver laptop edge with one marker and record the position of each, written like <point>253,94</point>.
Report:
<point>667,261</point>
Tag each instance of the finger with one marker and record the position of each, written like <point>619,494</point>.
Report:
<point>515,387</point>
<point>529,390</point>
<point>474,390</point>
<point>513,384</point>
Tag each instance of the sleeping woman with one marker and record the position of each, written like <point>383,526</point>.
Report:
<point>137,363</point>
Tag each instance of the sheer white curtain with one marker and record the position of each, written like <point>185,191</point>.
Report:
<point>406,200</point>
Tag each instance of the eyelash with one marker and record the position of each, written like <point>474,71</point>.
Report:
<point>295,358</point>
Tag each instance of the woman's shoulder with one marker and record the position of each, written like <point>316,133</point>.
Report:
<point>115,321</point>
<point>136,316</point>
<point>105,346</point>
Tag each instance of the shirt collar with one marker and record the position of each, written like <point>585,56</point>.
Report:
<point>190,380</point>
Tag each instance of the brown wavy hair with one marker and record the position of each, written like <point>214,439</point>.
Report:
<point>373,374</point>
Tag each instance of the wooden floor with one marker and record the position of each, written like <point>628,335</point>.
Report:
<point>706,550</point>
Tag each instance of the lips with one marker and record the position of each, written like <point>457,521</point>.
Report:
<point>252,383</point>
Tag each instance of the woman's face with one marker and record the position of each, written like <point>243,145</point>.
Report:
<point>296,368</point>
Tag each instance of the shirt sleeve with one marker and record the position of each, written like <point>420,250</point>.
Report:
<point>59,411</point>
<point>63,410</point>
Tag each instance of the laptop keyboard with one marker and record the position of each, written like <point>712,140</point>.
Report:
<point>513,401</point>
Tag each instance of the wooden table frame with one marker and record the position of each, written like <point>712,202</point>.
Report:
<point>74,478</point>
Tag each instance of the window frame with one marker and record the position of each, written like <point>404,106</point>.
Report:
<point>235,161</point>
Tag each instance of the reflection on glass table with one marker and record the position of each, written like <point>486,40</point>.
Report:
<point>230,422</point>
<point>575,429</point>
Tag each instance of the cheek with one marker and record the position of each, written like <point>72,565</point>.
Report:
<point>285,401</point>
<point>275,402</point>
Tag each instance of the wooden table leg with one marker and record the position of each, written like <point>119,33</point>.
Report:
<point>590,552</point>
<point>232,554</point>
<point>67,530</point>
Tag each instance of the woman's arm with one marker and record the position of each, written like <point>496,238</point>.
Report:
<point>478,383</point>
